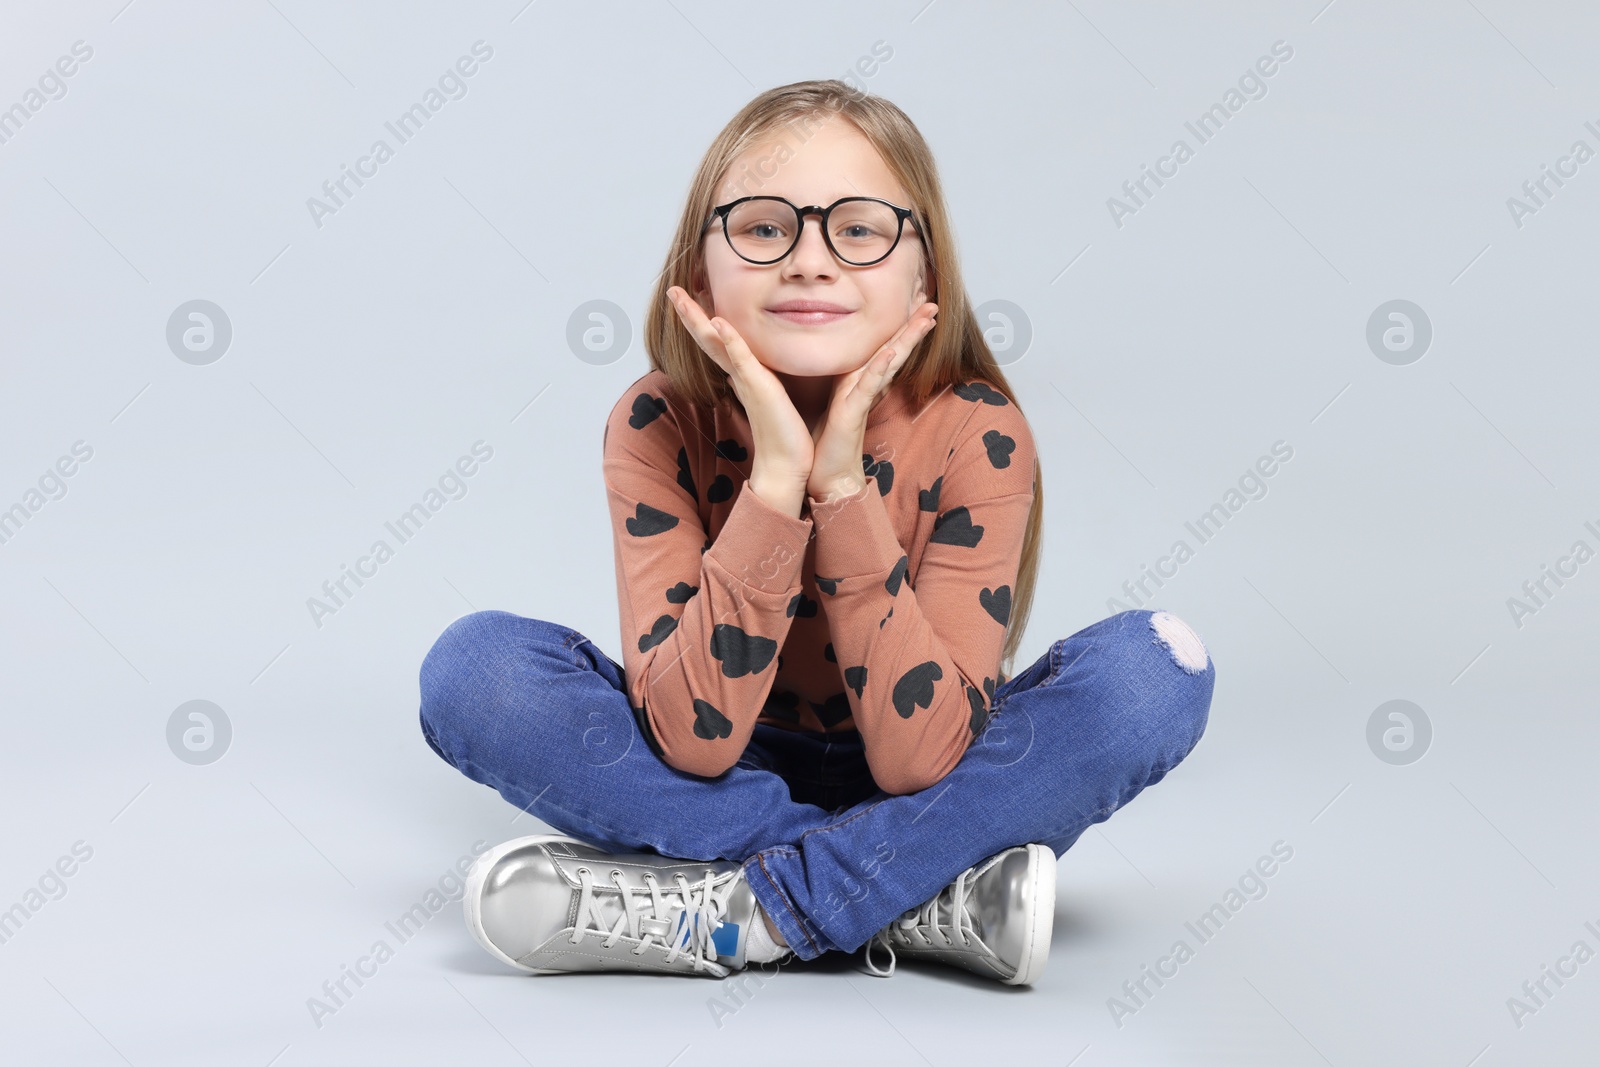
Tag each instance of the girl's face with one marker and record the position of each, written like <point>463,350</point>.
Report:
<point>837,161</point>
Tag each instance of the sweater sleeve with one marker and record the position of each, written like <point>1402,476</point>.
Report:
<point>702,622</point>
<point>920,665</point>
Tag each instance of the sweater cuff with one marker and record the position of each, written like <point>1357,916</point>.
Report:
<point>761,546</point>
<point>854,534</point>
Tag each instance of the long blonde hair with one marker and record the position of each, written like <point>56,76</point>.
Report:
<point>954,352</point>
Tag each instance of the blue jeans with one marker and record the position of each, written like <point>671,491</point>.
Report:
<point>534,710</point>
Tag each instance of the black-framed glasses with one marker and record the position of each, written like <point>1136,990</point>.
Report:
<point>859,230</point>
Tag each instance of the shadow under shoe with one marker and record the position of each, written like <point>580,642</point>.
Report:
<point>995,919</point>
<point>551,904</point>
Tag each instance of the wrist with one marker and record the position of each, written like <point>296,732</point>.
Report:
<point>835,489</point>
<point>785,495</point>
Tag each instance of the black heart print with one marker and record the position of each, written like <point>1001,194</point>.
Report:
<point>855,678</point>
<point>680,593</point>
<point>732,451</point>
<point>915,688</point>
<point>975,699</point>
<point>741,653</point>
<point>721,489</point>
<point>827,585</point>
<point>999,447</point>
<point>646,409</point>
<point>801,605</point>
<point>928,499</point>
<point>980,392</point>
<point>955,527</point>
<point>658,632</point>
<point>996,603</point>
<point>710,723</point>
<point>685,478</point>
<point>648,521</point>
<point>892,583</point>
<point>882,470</point>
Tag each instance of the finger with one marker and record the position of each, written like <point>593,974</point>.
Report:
<point>699,326</point>
<point>914,329</point>
<point>716,335</point>
<point>880,370</point>
<point>909,344</point>
<point>739,353</point>
<point>690,314</point>
<point>920,326</point>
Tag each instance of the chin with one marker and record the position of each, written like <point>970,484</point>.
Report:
<point>806,361</point>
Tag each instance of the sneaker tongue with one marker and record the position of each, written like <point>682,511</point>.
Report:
<point>724,936</point>
<point>727,937</point>
<point>946,915</point>
<point>609,906</point>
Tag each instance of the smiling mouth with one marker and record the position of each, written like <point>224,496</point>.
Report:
<point>810,318</point>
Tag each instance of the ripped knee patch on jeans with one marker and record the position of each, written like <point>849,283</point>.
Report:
<point>1180,640</point>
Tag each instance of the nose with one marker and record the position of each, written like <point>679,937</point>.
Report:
<point>810,256</point>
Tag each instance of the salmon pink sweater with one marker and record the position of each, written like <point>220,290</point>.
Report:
<point>883,612</point>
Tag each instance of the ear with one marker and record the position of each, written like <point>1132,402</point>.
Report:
<point>702,292</point>
<point>919,289</point>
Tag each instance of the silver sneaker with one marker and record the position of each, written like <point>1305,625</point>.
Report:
<point>994,919</point>
<point>550,904</point>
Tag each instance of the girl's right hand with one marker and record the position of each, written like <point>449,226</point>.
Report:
<point>783,443</point>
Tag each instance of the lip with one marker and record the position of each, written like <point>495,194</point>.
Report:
<point>809,312</point>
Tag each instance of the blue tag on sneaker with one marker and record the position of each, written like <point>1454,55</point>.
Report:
<point>726,939</point>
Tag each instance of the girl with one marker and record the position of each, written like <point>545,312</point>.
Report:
<point>825,507</point>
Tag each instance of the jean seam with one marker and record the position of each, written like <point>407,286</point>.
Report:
<point>835,825</point>
<point>571,643</point>
<point>787,904</point>
<point>433,742</point>
<point>537,803</point>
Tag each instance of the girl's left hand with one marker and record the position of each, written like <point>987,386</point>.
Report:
<point>840,436</point>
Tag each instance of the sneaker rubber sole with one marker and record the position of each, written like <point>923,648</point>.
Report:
<point>1042,891</point>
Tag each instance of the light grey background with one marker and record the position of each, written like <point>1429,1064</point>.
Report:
<point>1168,354</point>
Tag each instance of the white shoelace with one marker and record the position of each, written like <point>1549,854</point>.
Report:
<point>682,928</point>
<point>923,922</point>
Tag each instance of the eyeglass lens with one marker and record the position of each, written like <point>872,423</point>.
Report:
<point>861,231</point>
